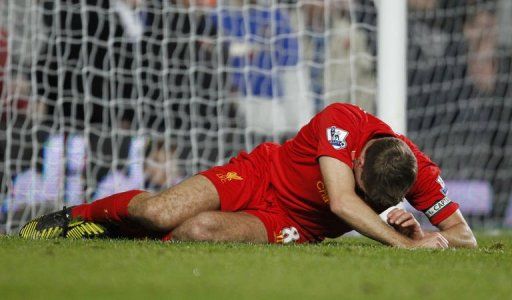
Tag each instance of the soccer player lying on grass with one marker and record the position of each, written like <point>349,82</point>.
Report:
<point>335,175</point>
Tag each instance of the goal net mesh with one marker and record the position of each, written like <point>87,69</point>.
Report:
<point>102,96</point>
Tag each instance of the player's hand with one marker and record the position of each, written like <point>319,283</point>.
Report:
<point>433,240</point>
<point>405,223</point>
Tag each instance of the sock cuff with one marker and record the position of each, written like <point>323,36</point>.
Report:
<point>115,205</point>
<point>125,198</point>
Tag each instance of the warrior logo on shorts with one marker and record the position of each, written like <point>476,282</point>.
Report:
<point>229,176</point>
<point>336,137</point>
<point>288,235</point>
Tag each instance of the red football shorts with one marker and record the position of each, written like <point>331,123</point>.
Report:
<point>244,186</point>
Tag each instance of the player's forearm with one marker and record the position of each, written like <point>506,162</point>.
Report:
<point>363,219</point>
<point>460,236</point>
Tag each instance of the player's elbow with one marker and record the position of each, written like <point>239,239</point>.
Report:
<point>466,237</point>
<point>339,208</point>
<point>334,206</point>
<point>473,243</point>
<point>468,242</point>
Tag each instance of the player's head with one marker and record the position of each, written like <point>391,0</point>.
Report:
<point>385,171</point>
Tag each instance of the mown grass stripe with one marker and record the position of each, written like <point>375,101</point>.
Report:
<point>353,268</point>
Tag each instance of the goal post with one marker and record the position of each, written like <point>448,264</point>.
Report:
<point>391,63</point>
<point>391,67</point>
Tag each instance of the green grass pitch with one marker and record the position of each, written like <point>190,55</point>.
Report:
<point>347,268</point>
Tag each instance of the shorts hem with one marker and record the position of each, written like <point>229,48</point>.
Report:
<point>215,183</point>
<point>268,227</point>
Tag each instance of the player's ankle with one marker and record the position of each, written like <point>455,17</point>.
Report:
<point>80,212</point>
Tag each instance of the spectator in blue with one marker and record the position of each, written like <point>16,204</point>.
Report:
<point>264,66</point>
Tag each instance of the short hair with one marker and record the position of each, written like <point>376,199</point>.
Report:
<point>388,173</point>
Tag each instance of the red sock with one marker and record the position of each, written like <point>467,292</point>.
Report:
<point>167,237</point>
<point>112,209</point>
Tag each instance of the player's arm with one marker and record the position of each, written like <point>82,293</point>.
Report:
<point>454,228</point>
<point>346,204</point>
<point>429,194</point>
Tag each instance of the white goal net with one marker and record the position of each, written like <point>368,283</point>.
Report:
<point>102,96</point>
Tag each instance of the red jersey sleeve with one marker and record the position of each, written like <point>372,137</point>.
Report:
<point>428,194</point>
<point>337,130</point>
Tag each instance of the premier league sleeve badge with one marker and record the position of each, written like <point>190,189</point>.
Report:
<point>336,137</point>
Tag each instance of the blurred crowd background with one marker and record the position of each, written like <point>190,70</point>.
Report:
<point>100,96</point>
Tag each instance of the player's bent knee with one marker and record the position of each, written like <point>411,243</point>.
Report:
<point>203,227</point>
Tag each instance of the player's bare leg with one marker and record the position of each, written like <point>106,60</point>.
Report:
<point>166,210</point>
<point>222,227</point>
<point>129,214</point>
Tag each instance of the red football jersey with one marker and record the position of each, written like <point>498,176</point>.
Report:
<point>337,131</point>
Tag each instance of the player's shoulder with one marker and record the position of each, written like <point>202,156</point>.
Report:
<point>428,170</point>
<point>420,155</point>
<point>344,106</point>
<point>344,110</point>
